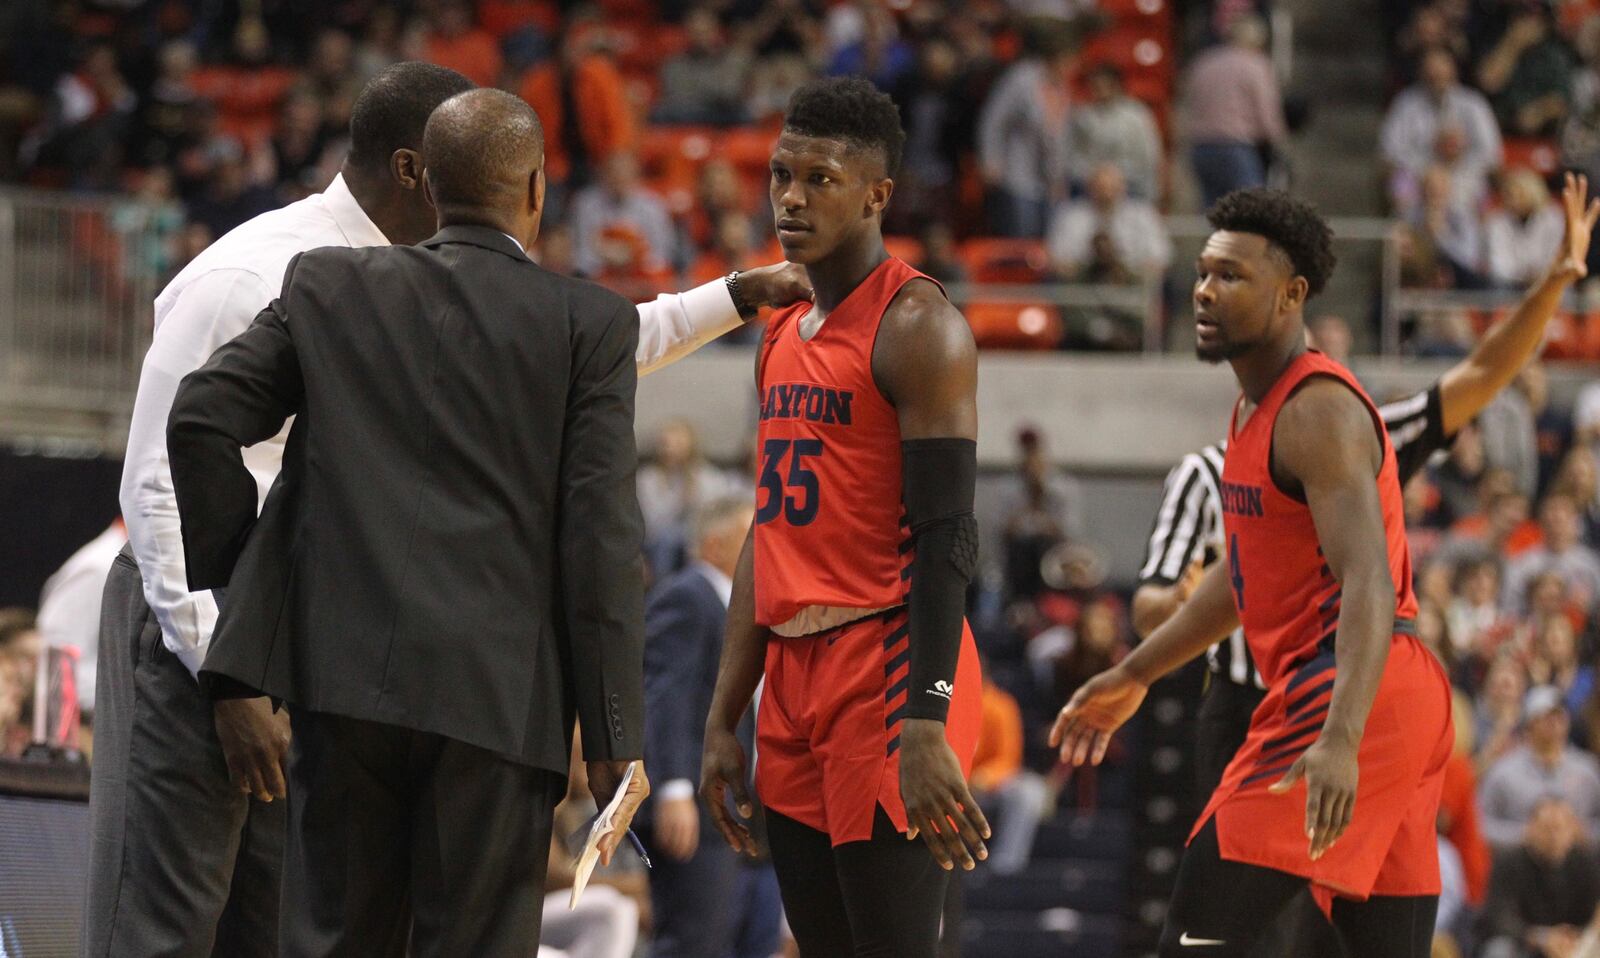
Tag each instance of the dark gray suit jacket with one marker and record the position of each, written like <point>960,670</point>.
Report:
<point>453,544</point>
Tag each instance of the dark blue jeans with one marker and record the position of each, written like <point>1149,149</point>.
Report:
<point>1222,167</point>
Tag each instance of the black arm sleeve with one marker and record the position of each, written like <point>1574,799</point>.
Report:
<point>940,481</point>
<point>1416,429</point>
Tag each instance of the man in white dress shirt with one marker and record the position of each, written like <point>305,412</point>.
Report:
<point>186,842</point>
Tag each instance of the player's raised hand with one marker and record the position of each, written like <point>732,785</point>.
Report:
<point>1084,728</point>
<point>1581,213</point>
<point>939,807</point>
<point>722,771</point>
<point>1331,773</point>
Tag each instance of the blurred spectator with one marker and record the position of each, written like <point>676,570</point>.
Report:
<point>1577,478</point>
<point>1039,508</point>
<point>1016,796</point>
<point>1555,663</point>
<point>939,257</point>
<point>1458,811</point>
<point>1580,135</point>
<point>1552,425</point>
<point>1562,552</point>
<point>1434,120</point>
<point>1523,235</point>
<point>1497,721</point>
<point>1450,232</point>
<point>1233,111</point>
<point>1108,237</point>
<point>719,190</point>
<point>581,98</point>
<point>523,28</point>
<point>69,605</point>
<point>706,82</point>
<point>937,113</point>
<point>1544,766</point>
<point>730,250</point>
<point>230,198</point>
<point>673,488</point>
<point>20,646</point>
<point>1113,127</point>
<point>1528,72</point>
<point>1458,476</point>
<point>455,41</point>
<point>555,249</point>
<point>1543,891</point>
<point>1022,136</point>
<point>166,113</point>
<point>869,44</point>
<point>86,123</point>
<point>1509,427</point>
<point>1476,622</point>
<point>623,207</point>
<point>298,145</point>
<point>1098,644</point>
<point>704,895</point>
<point>1432,25</point>
<point>147,224</point>
<point>1331,335</point>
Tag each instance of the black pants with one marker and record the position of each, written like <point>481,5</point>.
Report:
<point>1219,909</point>
<point>1299,929</point>
<point>181,863</point>
<point>880,898</point>
<point>396,834</point>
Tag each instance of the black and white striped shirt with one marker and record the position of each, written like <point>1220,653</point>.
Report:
<point>1188,526</point>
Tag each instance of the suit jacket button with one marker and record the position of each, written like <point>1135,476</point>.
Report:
<point>616,698</point>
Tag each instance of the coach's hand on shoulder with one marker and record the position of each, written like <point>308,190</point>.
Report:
<point>1085,725</point>
<point>1330,770</point>
<point>939,806</point>
<point>776,285</point>
<point>255,743</point>
<point>722,771</point>
<point>604,777</point>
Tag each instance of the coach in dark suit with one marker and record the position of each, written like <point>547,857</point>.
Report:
<point>707,901</point>
<point>446,572</point>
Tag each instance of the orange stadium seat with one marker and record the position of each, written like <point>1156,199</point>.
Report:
<point>999,260</point>
<point>675,153</point>
<point>1534,153</point>
<point>907,248</point>
<point>1021,326</point>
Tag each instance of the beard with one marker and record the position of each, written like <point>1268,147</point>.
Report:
<point>1220,352</point>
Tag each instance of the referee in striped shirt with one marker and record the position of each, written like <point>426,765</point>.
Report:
<point>1187,533</point>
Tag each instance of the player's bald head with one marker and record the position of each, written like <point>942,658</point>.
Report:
<point>482,146</point>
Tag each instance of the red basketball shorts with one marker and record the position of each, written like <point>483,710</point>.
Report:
<point>828,732</point>
<point>1390,847</point>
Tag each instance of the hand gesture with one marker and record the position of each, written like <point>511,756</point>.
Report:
<point>1331,773</point>
<point>677,827</point>
<point>776,285</point>
<point>255,744</point>
<point>1083,729</point>
<point>1571,262</point>
<point>604,777</point>
<point>939,806</point>
<point>721,771</point>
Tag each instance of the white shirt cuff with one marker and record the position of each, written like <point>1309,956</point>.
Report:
<point>675,791</point>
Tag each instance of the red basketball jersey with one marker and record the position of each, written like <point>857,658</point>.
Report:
<point>828,509</point>
<point>1287,597</point>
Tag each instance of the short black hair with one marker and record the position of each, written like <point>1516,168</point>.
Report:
<point>849,109</point>
<point>1291,225</point>
<point>477,145</point>
<point>393,109</point>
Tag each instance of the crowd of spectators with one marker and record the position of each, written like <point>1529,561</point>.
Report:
<point>1492,102</point>
<point>1035,122</point>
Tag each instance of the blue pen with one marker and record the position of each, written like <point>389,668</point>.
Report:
<point>633,839</point>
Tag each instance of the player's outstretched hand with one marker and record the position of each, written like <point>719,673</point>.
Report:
<point>776,285</point>
<point>1084,728</point>
<point>1331,773</point>
<point>938,805</point>
<point>1581,213</point>
<point>722,771</point>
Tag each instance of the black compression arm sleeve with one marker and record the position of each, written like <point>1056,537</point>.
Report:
<point>940,479</point>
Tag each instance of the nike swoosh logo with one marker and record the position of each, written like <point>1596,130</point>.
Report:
<point>1186,941</point>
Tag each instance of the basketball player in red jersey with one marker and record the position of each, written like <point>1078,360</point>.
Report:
<point>849,594</point>
<point>1338,783</point>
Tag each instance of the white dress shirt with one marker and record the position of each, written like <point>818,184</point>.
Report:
<point>214,299</point>
<point>69,606</point>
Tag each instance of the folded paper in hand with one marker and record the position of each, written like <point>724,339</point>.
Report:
<point>604,824</point>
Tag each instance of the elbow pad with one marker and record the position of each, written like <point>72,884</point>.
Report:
<point>939,482</point>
